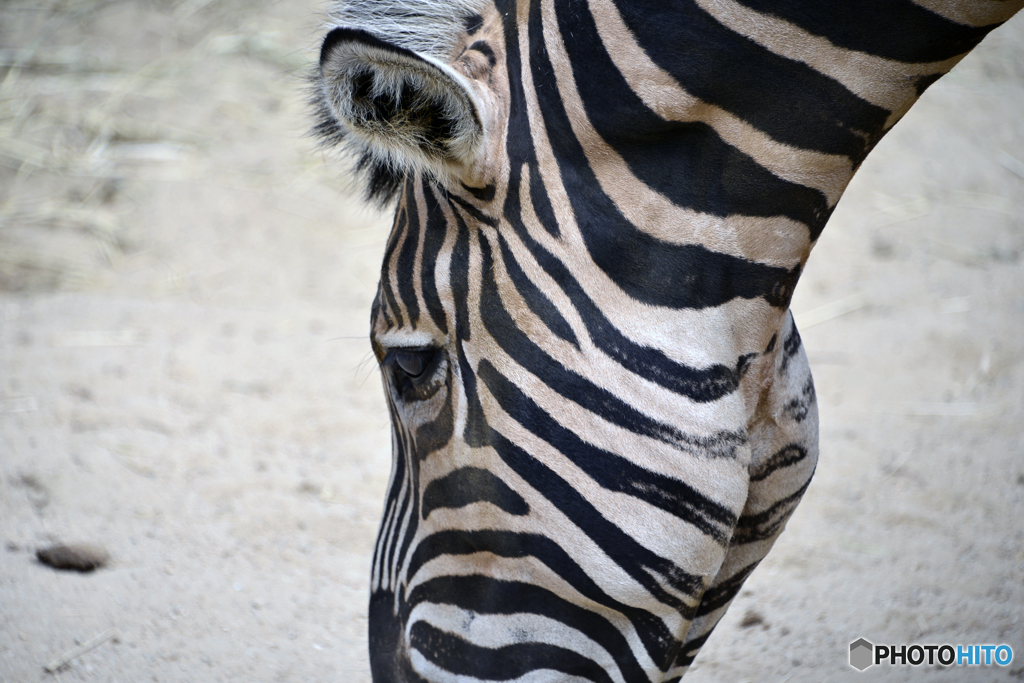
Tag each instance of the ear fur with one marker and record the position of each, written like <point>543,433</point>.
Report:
<point>400,111</point>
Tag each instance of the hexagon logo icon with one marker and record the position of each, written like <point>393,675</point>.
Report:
<point>861,654</point>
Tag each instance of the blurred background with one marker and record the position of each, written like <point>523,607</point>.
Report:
<point>185,377</point>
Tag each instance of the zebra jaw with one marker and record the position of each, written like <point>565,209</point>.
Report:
<point>402,110</point>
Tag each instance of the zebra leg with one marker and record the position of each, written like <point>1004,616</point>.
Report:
<point>785,453</point>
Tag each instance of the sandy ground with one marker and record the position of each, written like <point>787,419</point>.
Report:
<point>185,377</point>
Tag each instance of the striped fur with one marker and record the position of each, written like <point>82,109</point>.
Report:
<point>602,412</point>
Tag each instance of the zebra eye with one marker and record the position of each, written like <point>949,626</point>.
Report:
<point>412,363</point>
<point>412,371</point>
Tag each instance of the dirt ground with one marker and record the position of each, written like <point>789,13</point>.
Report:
<point>185,376</point>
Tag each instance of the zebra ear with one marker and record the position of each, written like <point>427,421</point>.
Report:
<point>401,110</point>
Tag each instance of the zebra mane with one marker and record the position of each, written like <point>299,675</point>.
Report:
<point>428,27</point>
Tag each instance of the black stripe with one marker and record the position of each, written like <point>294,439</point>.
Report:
<point>484,595</point>
<point>764,525</point>
<point>455,654</point>
<point>800,406</point>
<point>458,277</point>
<point>790,346</point>
<point>685,161</point>
<point>392,308</point>
<point>473,211</point>
<point>397,231</point>
<point>484,194</point>
<point>720,595</point>
<point>788,100</point>
<point>609,470</point>
<point>435,230</point>
<point>900,30</point>
<point>473,23</point>
<point>539,198</point>
<point>407,258</point>
<point>536,300</point>
<point>468,485</point>
<point>688,652</point>
<point>644,267</point>
<point>786,457</point>
<point>483,48</point>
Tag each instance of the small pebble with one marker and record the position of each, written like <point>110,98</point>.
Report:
<point>82,557</point>
<point>751,618</point>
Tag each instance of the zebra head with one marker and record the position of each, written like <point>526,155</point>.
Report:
<point>602,415</point>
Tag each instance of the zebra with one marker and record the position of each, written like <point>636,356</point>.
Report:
<point>602,413</point>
